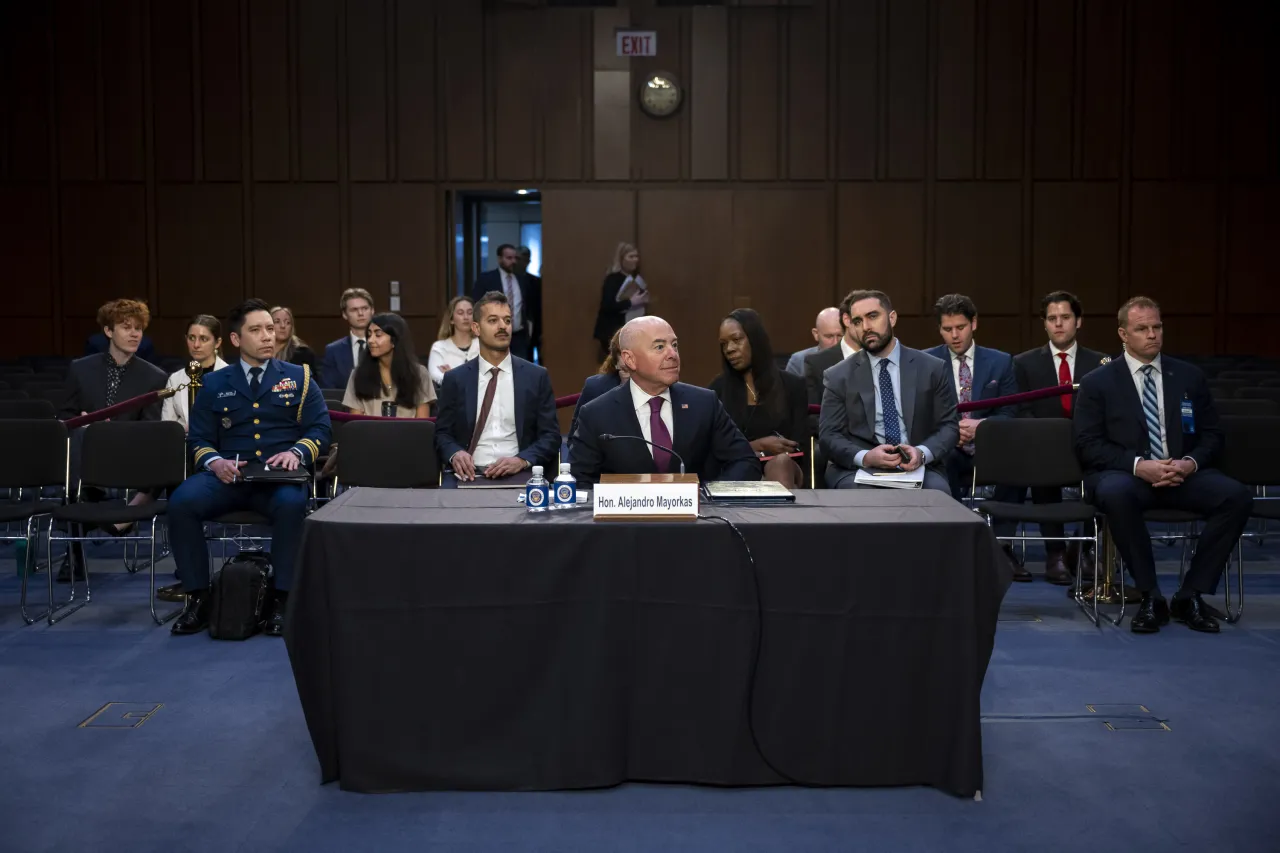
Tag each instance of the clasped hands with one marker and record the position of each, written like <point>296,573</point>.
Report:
<point>1165,473</point>
<point>464,467</point>
<point>886,457</point>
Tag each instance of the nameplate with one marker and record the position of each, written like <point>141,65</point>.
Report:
<point>645,497</point>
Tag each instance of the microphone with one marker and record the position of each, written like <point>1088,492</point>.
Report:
<point>607,436</point>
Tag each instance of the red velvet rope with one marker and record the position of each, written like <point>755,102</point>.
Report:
<point>997,402</point>
<point>139,402</point>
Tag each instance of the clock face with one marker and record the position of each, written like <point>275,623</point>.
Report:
<point>660,95</point>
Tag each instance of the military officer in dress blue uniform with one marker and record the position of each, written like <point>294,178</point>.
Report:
<point>259,410</point>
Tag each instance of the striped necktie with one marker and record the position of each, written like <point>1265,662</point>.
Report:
<point>1151,413</point>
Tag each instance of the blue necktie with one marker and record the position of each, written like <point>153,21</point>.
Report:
<point>255,383</point>
<point>1151,412</point>
<point>892,434</point>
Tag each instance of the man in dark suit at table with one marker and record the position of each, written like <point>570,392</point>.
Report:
<point>524,296</point>
<point>342,356</point>
<point>1062,361</point>
<point>500,422</point>
<point>1146,432</point>
<point>979,373</point>
<point>655,406</point>
<point>884,397</point>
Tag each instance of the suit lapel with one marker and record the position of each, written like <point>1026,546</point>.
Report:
<point>865,383</point>
<point>681,422</point>
<point>470,382</point>
<point>269,378</point>
<point>627,415</point>
<point>1172,409</point>
<point>907,382</point>
<point>1130,392</point>
<point>517,393</point>
<point>238,380</point>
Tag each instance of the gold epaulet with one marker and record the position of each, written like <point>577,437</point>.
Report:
<point>306,386</point>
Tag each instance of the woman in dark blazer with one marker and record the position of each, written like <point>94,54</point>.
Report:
<point>769,405</point>
<point>611,375</point>
<point>622,279</point>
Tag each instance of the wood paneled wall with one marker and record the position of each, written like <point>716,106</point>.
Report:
<point>197,151</point>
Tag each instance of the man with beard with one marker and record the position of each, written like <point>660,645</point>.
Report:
<point>886,406</point>
<point>497,413</point>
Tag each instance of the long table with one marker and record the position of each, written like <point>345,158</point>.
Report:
<point>447,639</point>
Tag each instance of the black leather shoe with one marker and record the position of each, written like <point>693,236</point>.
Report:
<point>1055,569</point>
<point>1152,613</point>
<point>273,625</point>
<point>1194,613</point>
<point>194,618</point>
<point>172,592</point>
<point>1020,573</point>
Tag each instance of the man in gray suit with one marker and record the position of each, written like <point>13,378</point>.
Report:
<point>885,397</point>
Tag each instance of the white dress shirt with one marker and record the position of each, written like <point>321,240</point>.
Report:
<point>640,399</point>
<point>175,407</point>
<point>1071,358</point>
<point>511,287</point>
<point>498,440</point>
<point>447,352</point>
<point>845,349</point>
<point>955,370</point>
<point>357,344</point>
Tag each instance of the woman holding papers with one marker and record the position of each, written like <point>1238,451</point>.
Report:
<point>623,296</point>
<point>770,406</point>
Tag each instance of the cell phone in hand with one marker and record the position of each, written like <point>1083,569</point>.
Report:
<point>903,452</point>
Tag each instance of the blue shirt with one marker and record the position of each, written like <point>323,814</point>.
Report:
<point>246,367</point>
<point>795,364</point>
<point>894,360</point>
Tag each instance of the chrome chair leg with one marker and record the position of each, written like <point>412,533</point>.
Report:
<point>159,620</point>
<point>1089,607</point>
<point>32,559</point>
<point>1233,616</point>
<point>57,613</point>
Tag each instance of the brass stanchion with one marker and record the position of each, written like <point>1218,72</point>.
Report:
<point>1110,593</point>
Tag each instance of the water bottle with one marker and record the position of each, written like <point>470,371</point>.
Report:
<point>535,491</point>
<point>565,492</point>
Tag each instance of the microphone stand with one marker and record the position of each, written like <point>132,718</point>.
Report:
<point>611,437</point>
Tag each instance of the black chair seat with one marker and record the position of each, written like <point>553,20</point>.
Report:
<point>243,517</point>
<point>26,509</point>
<point>1060,513</point>
<point>1268,510</point>
<point>1172,516</point>
<point>108,512</point>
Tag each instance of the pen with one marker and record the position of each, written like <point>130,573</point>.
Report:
<point>236,476</point>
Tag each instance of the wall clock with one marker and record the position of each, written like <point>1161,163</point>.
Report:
<point>660,95</point>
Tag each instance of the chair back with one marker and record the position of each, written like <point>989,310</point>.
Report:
<point>388,454</point>
<point>1259,393</point>
<point>1242,407</point>
<point>134,454</point>
<point>1025,452</point>
<point>1248,452</point>
<point>26,409</point>
<point>41,457</point>
<point>14,394</point>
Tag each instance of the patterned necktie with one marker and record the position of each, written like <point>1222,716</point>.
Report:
<point>489,391</point>
<point>889,408</point>
<point>255,382</point>
<point>658,434</point>
<point>966,393</point>
<point>1151,413</point>
<point>359,350</point>
<point>1064,378</point>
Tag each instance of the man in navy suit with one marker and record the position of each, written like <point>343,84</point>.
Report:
<point>654,405</point>
<point>497,413</point>
<point>1147,433</point>
<point>342,356</point>
<point>978,373</point>
<point>523,294</point>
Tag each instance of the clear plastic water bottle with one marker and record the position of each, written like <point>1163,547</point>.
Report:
<point>536,493</point>
<point>565,492</point>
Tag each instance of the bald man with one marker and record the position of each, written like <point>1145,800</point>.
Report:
<point>655,406</point>
<point>826,331</point>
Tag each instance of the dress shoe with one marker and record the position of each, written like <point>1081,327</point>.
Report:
<point>195,616</point>
<point>1153,612</point>
<point>1194,613</point>
<point>1020,572</point>
<point>273,624</point>
<point>172,592</point>
<point>1055,569</point>
<point>64,571</point>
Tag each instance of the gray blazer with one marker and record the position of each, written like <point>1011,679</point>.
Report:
<point>847,424</point>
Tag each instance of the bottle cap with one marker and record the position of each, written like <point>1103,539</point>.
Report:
<point>564,467</point>
<point>537,470</point>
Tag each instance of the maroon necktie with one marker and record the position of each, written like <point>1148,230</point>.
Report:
<point>659,435</point>
<point>489,391</point>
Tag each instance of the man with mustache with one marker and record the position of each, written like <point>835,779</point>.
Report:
<point>497,413</point>
<point>884,400</point>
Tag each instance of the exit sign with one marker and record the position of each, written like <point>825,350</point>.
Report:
<point>637,43</point>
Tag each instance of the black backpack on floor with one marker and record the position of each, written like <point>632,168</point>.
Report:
<point>238,594</point>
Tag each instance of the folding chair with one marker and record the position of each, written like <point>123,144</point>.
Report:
<point>1247,406</point>
<point>26,409</point>
<point>388,454</point>
<point>1031,453</point>
<point>40,464</point>
<point>1247,458</point>
<point>125,455</point>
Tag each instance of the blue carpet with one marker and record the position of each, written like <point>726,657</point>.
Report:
<point>190,778</point>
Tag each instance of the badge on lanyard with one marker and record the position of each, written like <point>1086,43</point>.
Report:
<point>1188,417</point>
<point>226,423</point>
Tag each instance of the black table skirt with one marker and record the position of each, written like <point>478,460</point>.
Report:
<point>449,640</point>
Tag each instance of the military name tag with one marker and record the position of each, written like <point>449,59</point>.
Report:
<point>226,423</point>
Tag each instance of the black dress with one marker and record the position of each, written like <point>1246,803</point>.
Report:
<point>788,417</point>
<point>612,314</point>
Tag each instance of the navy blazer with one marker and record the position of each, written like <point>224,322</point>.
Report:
<point>993,376</point>
<point>530,296</point>
<point>537,430</point>
<point>703,435</point>
<point>595,386</point>
<point>336,368</point>
<point>1111,430</point>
